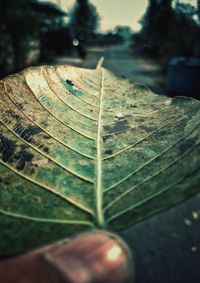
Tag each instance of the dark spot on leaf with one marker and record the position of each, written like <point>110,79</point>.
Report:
<point>28,132</point>
<point>37,199</point>
<point>23,146</point>
<point>46,137</point>
<point>72,88</point>
<point>117,127</point>
<point>162,132</point>
<point>7,148</point>
<point>20,106</point>
<point>18,129</point>
<point>187,145</point>
<point>108,151</point>
<point>133,105</point>
<point>5,181</point>
<point>46,149</point>
<point>23,156</point>
<point>106,137</point>
<point>148,128</point>
<point>69,82</point>
<point>44,123</point>
<point>12,114</point>
<point>34,130</point>
<point>140,120</point>
<point>32,171</point>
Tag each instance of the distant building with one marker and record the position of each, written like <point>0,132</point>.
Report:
<point>124,31</point>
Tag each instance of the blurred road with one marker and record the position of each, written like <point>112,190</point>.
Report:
<point>120,61</point>
<point>167,246</point>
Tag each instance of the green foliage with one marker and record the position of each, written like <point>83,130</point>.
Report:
<point>82,148</point>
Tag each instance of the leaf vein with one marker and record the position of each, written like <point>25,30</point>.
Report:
<point>71,201</point>
<point>154,175</point>
<point>150,197</point>
<point>65,103</point>
<point>49,157</point>
<point>48,220</point>
<point>45,131</point>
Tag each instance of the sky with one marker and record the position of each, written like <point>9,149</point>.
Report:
<point>117,12</point>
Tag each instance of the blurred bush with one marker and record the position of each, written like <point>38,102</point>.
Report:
<point>18,31</point>
<point>169,29</point>
<point>31,32</point>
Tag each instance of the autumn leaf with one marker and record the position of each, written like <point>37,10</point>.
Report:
<point>83,149</point>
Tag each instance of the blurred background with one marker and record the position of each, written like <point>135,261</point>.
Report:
<point>153,42</point>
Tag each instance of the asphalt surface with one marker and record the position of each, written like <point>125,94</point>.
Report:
<point>122,62</point>
<point>166,247</point>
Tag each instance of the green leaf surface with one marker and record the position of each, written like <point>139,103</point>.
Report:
<point>83,149</point>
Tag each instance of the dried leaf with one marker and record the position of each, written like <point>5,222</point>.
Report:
<point>94,149</point>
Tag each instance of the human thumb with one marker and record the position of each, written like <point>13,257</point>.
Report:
<point>91,257</point>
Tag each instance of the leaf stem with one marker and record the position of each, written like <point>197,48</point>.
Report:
<point>100,63</point>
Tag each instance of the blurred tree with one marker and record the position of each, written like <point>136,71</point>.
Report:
<point>170,28</point>
<point>156,24</point>
<point>185,30</point>
<point>84,23</point>
<point>55,42</point>
<point>198,9</point>
<point>29,29</point>
<point>55,36</point>
<point>18,28</point>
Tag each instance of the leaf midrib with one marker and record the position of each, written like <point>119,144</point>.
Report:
<point>99,191</point>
